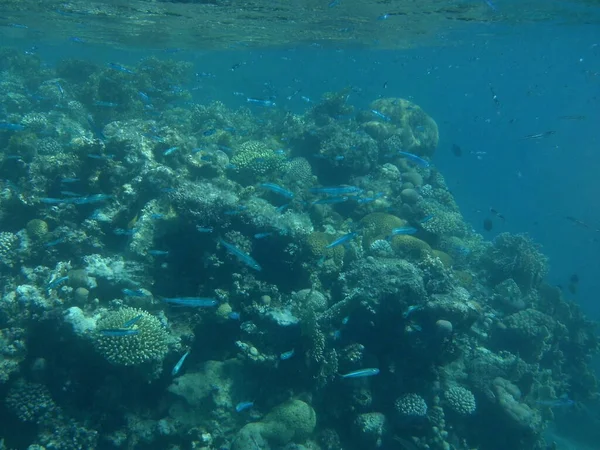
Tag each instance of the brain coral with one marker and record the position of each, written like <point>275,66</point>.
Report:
<point>316,243</point>
<point>409,246</point>
<point>378,225</point>
<point>150,344</point>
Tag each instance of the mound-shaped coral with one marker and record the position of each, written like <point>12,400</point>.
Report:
<point>149,344</point>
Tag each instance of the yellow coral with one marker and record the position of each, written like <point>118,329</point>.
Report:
<point>379,225</point>
<point>37,229</point>
<point>316,243</point>
<point>444,257</point>
<point>409,246</point>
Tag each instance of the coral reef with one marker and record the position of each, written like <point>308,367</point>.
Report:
<point>180,274</point>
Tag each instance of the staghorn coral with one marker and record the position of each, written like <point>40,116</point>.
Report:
<point>149,345</point>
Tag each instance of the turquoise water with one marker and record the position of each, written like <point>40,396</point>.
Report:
<point>347,241</point>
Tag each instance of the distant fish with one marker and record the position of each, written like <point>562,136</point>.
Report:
<point>55,242</point>
<point>105,104</point>
<point>120,68</point>
<point>497,214</point>
<point>538,135</point>
<point>381,115</point>
<point>11,126</point>
<point>194,302</point>
<point>559,402</point>
<point>361,373</point>
<point>260,102</point>
<point>488,225</point>
<point>415,159</point>
<point>262,235</point>
<point>242,406</point>
<point>287,355</point>
<point>158,252</point>
<point>331,200</point>
<point>456,150</point>
<point>572,117</point>
<point>177,367</point>
<point>241,255</point>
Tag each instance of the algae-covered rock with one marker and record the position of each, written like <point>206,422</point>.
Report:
<point>292,421</point>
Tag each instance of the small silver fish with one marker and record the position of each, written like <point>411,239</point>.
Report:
<point>361,373</point>
<point>177,367</point>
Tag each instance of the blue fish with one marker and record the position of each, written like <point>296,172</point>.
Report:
<point>403,230</point>
<point>170,151</point>
<point>204,229</point>
<point>243,406</point>
<point>260,102</point>
<point>262,235</point>
<point>133,321</point>
<point>194,302</point>
<point>361,373</point>
<point>233,315</point>
<point>118,332</point>
<point>381,115</point>
<point>105,104</point>
<point>336,190</point>
<point>330,200</point>
<point>120,68</point>
<point>287,355</point>
<point>57,282</point>
<point>177,367</point>
<point>343,239</point>
<point>11,126</point>
<point>415,159</point>
<point>158,252</point>
<point>54,243</point>
<point>241,255</point>
<point>277,189</point>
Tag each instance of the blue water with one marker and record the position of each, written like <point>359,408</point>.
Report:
<point>487,88</point>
